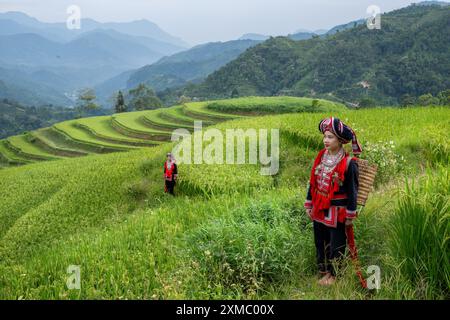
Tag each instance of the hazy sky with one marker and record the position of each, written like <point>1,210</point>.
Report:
<point>199,21</point>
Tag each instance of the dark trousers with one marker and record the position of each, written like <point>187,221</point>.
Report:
<point>330,246</point>
<point>170,185</point>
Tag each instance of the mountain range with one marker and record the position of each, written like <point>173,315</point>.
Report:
<point>409,55</point>
<point>46,63</point>
<point>51,55</point>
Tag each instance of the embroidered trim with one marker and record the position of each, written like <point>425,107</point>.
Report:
<point>339,197</point>
<point>308,204</point>
<point>350,214</point>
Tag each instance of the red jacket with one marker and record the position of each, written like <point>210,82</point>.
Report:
<point>170,174</point>
<point>334,198</point>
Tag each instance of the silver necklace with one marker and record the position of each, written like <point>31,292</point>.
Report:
<point>331,160</point>
<point>328,163</point>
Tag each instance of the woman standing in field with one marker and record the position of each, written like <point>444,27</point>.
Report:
<point>332,194</point>
<point>170,174</point>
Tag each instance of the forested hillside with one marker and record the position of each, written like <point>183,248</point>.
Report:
<point>408,56</point>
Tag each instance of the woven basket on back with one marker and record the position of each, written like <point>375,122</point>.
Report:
<point>366,178</point>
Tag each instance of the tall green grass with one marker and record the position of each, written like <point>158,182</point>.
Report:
<point>252,247</point>
<point>437,149</point>
<point>421,233</point>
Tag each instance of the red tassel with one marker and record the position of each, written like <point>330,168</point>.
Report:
<point>354,254</point>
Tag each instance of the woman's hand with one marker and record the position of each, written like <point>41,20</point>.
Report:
<point>348,222</point>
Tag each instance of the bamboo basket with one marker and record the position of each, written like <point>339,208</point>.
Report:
<point>366,178</point>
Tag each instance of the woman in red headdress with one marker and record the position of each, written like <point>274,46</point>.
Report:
<point>332,194</point>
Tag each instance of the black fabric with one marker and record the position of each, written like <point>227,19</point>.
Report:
<point>345,135</point>
<point>330,246</point>
<point>175,169</point>
<point>351,185</point>
<point>170,185</point>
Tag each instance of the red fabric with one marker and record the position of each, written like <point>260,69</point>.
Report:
<point>167,172</point>
<point>354,254</point>
<point>321,202</point>
<point>342,214</point>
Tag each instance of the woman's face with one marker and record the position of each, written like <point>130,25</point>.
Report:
<point>330,141</point>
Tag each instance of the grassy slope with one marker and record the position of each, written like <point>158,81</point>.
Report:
<point>82,211</point>
<point>10,156</point>
<point>176,115</point>
<point>154,119</point>
<point>101,127</point>
<point>199,110</point>
<point>28,149</point>
<point>77,134</point>
<point>132,121</point>
<point>273,105</point>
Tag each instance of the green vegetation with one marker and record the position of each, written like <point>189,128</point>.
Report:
<point>199,110</point>
<point>352,65</point>
<point>261,105</point>
<point>126,131</point>
<point>45,139</point>
<point>176,115</point>
<point>156,121</point>
<point>420,233</point>
<point>120,106</point>
<point>10,157</point>
<point>83,136</point>
<point>16,118</point>
<point>86,101</point>
<point>23,146</point>
<point>144,98</point>
<point>230,233</point>
<point>132,124</point>
<point>102,129</point>
<point>190,65</point>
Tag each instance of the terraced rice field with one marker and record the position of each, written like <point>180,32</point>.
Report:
<point>109,214</point>
<point>128,131</point>
<point>176,115</point>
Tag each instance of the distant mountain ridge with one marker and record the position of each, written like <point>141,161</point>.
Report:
<point>44,63</point>
<point>190,65</point>
<point>58,30</point>
<point>50,56</point>
<point>401,58</point>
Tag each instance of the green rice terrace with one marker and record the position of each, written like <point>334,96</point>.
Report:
<point>89,192</point>
<point>128,131</point>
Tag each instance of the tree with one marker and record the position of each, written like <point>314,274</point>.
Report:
<point>407,100</point>
<point>120,103</point>
<point>183,100</point>
<point>86,101</point>
<point>444,97</point>
<point>367,102</point>
<point>427,100</point>
<point>144,98</point>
